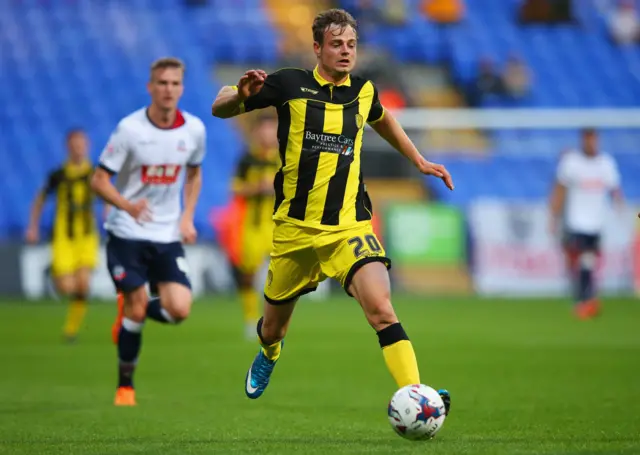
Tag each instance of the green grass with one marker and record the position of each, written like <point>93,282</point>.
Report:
<point>525,377</point>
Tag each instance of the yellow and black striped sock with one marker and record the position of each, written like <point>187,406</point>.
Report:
<point>399,355</point>
<point>272,351</point>
<point>75,314</point>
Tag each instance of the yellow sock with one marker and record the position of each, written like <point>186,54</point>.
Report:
<point>75,316</point>
<point>398,354</point>
<point>249,298</point>
<point>401,362</point>
<point>271,351</point>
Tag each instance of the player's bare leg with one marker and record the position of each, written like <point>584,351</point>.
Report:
<point>371,287</point>
<point>272,328</point>
<point>273,325</point>
<point>129,341</point>
<point>115,328</point>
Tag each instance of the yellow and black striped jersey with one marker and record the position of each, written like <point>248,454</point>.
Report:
<point>320,127</point>
<point>74,215</point>
<point>254,168</point>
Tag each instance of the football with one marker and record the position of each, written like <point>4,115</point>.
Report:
<point>416,412</point>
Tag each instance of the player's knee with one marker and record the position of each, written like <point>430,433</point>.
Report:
<point>137,313</point>
<point>135,305</point>
<point>65,286</point>
<point>588,260</point>
<point>180,312</point>
<point>245,281</point>
<point>177,302</point>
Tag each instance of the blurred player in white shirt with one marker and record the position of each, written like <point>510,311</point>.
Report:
<point>586,180</point>
<point>156,152</point>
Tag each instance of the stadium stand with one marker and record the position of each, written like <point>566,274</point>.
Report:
<point>84,63</point>
<point>72,63</point>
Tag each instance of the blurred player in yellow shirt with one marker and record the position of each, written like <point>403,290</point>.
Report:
<point>252,209</point>
<point>75,236</point>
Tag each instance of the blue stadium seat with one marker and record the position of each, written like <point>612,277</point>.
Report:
<point>68,64</point>
<point>572,65</point>
<point>518,177</point>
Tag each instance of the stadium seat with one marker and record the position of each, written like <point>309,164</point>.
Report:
<point>70,64</point>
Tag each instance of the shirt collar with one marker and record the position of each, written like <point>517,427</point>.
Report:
<point>322,81</point>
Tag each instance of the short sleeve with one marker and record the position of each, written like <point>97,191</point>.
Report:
<point>198,154</point>
<point>563,172</point>
<point>377,111</point>
<point>116,151</point>
<point>270,95</point>
<point>53,181</point>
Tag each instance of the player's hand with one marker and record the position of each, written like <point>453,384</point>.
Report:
<point>140,211</point>
<point>32,235</point>
<point>437,170</point>
<point>251,83</point>
<point>188,230</point>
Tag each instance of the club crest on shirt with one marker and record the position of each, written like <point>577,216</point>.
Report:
<point>182,146</point>
<point>359,121</point>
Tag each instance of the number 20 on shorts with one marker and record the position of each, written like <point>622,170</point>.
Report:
<point>358,244</point>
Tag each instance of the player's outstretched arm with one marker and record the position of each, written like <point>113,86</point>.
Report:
<point>102,186</point>
<point>392,132</point>
<point>229,101</point>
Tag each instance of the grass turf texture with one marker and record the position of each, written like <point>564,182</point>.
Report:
<point>525,377</point>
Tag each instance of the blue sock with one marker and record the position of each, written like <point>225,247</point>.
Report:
<point>129,341</point>
<point>157,313</point>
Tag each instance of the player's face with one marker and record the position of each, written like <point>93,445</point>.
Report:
<point>78,145</point>
<point>166,87</point>
<point>337,54</point>
<point>590,144</point>
<point>266,135</point>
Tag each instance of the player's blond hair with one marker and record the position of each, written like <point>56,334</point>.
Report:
<point>166,62</point>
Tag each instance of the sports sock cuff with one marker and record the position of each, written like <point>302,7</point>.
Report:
<point>132,326</point>
<point>81,296</point>
<point>259,331</point>
<point>391,335</point>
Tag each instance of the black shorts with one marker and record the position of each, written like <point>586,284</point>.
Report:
<point>580,243</point>
<point>133,263</point>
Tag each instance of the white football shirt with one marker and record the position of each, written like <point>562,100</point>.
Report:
<point>589,182</point>
<point>150,164</point>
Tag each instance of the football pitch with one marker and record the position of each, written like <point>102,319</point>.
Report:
<point>525,378</point>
